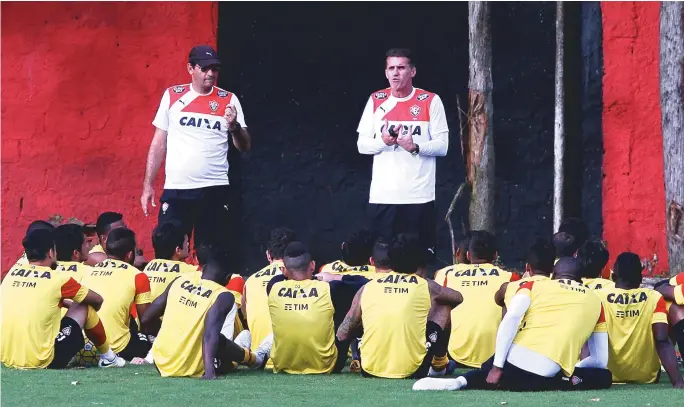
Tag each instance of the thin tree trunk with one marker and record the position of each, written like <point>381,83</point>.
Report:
<point>479,151</point>
<point>559,125</point>
<point>671,103</point>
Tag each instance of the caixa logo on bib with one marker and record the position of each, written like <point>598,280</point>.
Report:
<point>200,123</point>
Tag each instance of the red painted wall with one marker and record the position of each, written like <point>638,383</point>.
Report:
<point>633,184</point>
<point>81,83</point>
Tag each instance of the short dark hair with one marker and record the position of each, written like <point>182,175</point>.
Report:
<point>628,268</point>
<point>407,253</point>
<point>541,256</point>
<point>68,237</point>
<point>280,238</point>
<point>120,242</point>
<point>296,257</point>
<point>166,237</point>
<point>400,53</point>
<point>39,224</point>
<point>568,266</point>
<point>566,244</point>
<point>576,227</point>
<point>216,269</point>
<point>105,220</point>
<point>380,253</point>
<point>358,248</point>
<point>594,257</point>
<point>38,243</point>
<point>482,245</point>
<point>207,252</point>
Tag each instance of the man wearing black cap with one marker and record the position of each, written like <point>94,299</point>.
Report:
<point>193,126</point>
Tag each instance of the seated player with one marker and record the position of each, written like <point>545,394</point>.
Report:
<point>254,297</point>
<point>121,285</point>
<point>539,266</point>
<point>577,228</point>
<point>637,327</point>
<point>356,251</point>
<point>171,248</point>
<point>403,317</point>
<point>539,340</point>
<point>302,313</point>
<point>566,244</point>
<point>673,292</point>
<point>474,322</point>
<point>594,257</point>
<point>35,225</point>
<point>72,250</point>
<point>190,342</point>
<point>462,249</point>
<point>106,222</point>
<point>35,337</point>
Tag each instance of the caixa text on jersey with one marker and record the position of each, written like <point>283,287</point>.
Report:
<point>200,122</point>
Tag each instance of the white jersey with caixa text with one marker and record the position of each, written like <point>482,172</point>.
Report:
<point>400,177</point>
<point>197,140</point>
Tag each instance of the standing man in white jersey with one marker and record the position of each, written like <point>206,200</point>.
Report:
<point>404,128</point>
<point>193,126</point>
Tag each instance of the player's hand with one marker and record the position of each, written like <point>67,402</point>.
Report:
<point>406,142</point>
<point>328,277</point>
<point>231,116</point>
<point>494,375</point>
<point>147,195</point>
<point>386,137</point>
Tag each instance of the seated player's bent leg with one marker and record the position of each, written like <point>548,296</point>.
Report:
<point>228,328</point>
<point>229,352</point>
<point>587,378</point>
<point>342,352</point>
<point>138,347</point>
<point>68,343</point>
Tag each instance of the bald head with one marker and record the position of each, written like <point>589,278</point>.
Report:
<point>568,268</point>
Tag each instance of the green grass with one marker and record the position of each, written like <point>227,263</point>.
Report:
<point>142,386</point>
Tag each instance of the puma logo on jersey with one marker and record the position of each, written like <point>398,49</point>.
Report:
<point>200,122</point>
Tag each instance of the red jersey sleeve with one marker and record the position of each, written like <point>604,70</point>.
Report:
<point>515,277</point>
<point>236,284</point>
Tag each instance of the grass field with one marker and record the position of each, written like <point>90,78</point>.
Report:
<point>142,386</point>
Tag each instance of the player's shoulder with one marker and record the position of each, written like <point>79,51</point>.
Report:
<point>381,94</point>
<point>677,280</point>
<point>223,93</point>
<point>179,89</point>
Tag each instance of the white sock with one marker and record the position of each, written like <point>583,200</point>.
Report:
<point>108,356</point>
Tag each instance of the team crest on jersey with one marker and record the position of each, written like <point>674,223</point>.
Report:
<point>222,93</point>
<point>423,96</point>
<point>178,89</point>
<point>213,105</point>
<point>380,95</point>
<point>414,110</point>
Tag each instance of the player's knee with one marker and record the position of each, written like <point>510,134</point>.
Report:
<point>440,315</point>
<point>78,312</point>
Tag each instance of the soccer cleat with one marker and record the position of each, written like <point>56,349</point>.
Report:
<point>244,339</point>
<point>430,383</point>
<point>436,373</point>
<point>263,352</point>
<point>451,367</point>
<point>117,362</point>
<point>355,366</point>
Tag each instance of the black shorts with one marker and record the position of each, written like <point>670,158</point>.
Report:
<point>138,347</point>
<point>206,211</point>
<point>68,343</point>
<point>388,220</point>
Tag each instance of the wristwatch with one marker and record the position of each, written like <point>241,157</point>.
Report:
<point>416,150</point>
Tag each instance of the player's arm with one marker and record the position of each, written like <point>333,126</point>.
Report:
<point>150,320</point>
<point>143,295</point>
<point>72,290</point>
<point>157,150</point>
<point>508,329</point>
<point>664,348</point>
<point>243,304</point>
<point>597,345</point>
<point>444,295</point>
<point>672,293</point>
<point>237,126</point>
<point>500,295</point>
<point>212,329</point>
<point>351,325</point>
<point>273,281</point>
<point>438,145</point>
<point>368,142</point>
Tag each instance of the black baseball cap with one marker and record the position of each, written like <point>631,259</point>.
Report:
<point>203,55</point>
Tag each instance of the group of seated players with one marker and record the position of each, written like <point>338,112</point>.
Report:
<point>559,326</point>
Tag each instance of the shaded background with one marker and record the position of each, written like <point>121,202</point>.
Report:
<point>303,83</point>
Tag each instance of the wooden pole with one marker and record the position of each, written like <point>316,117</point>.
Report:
<point>479,148</point>
<point>672,107</point>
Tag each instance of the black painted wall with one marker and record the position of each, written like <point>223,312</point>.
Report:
<point>304,71</point>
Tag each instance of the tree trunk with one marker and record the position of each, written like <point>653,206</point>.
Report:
<point>479,149</point>
<point>671,102</point>
<point>559,122</point>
